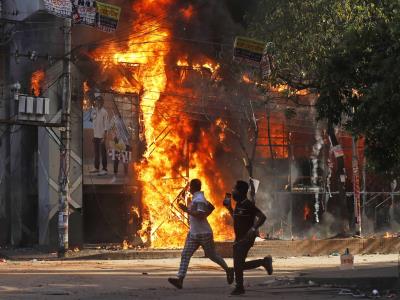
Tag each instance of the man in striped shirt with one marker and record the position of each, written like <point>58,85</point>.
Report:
<point>200,234</point>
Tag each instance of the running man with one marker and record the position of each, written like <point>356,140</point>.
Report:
<point>200,234</point>
<point>247,218</point>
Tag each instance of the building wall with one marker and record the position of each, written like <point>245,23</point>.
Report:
<point>34,163</point>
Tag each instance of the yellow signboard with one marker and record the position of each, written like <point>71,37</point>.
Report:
<point>249,44</point>
<point>248,50</point>
<point>108,10</point>
<point>108,16</point>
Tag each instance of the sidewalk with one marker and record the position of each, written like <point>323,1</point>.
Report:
<point>276,248</point>
<point>380,276</point>
<point>147,278</point>
<point>92,254</point>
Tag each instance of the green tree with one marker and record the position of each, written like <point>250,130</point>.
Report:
<point>325,45</point>
<point>362,75</point>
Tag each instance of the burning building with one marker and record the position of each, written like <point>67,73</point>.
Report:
<point>189,112</point>
<point>177,85</point>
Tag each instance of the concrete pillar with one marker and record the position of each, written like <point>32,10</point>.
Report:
<point>4,147</point>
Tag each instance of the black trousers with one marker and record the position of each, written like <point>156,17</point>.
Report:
<point>116,162</point>
<point>99,146</point>
<point>240,251</point>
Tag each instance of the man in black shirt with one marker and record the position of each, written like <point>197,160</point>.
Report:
<point>247,218</point>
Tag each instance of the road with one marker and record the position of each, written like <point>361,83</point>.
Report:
<point>147,279</point>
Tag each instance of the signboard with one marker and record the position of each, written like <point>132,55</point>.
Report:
<point>59,8</point>
<point>108,16</point>
<point>249,51</point>
<point>256,184</point>
<point>337,151</point>
<point>84,12</point>
<point>88,12</point>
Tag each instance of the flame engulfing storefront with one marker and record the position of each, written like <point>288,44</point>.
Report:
<point>196,113</point>
<point>172,80</point>
<point>169,68</point>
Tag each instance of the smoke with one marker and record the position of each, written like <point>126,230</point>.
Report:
<point>314,174</point>
<point>278,207</point>
<point>322,230</point>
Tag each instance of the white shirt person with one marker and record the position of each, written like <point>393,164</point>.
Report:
<point>99,117</point>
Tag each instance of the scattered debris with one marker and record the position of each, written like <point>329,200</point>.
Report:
<point>345,292</point>
<point>269,281</point>
<point>375,293</point>
<point>391,294</point>
<point>347,260</point>
<point>145,273</point>
<point>355,294</point>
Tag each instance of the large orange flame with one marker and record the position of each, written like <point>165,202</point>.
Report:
<point>172,157</point>
<point>37,82</point>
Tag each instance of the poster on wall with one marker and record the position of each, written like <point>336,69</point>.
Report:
<point>93,13</point>
<point>110,138</point>
<point>59,8</point>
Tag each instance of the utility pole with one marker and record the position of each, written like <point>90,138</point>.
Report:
<point>65,147</point>
<point>356,187</point>
<point>5,147</point>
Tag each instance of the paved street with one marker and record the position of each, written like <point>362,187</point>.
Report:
<point>147,279</point>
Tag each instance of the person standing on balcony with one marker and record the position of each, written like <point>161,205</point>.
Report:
<point>200,234</point>
<point>247,219</point>
<point>99,117</point>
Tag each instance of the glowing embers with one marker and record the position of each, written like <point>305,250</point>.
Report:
<point>388,235</point>
<point>187,12</point>
<point>246,79</point>
<point>306,212</point>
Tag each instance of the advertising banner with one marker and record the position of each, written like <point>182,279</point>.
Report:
<point>108,16</point>
<point>248,51</point>
<point>93,13</point>
<point>337,151</point>
<point>110,138</point>
<point>59,8</point>
<point>84,12</point>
